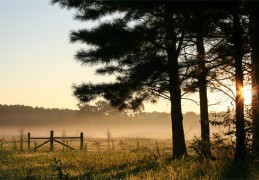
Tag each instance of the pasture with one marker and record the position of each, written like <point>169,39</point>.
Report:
<point>122,158</point>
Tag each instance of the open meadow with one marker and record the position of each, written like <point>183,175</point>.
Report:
<point>162,89</point>
<point>125,158</point>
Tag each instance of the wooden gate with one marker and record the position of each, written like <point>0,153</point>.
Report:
<point>53,139</point>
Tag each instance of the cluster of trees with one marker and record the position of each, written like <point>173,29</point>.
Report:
<point>166,49</point>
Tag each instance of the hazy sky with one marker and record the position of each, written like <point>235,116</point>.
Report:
<point>37,65</point>
<point>36,59</point>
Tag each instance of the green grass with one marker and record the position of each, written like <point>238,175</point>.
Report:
<point>147,163</point>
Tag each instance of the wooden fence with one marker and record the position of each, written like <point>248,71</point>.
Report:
<point>53,139</point>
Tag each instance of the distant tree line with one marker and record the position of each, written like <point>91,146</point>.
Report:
<point>100,113</point>
<point>94,120</point>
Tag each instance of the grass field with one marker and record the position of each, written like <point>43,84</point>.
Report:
<point>152,161</point>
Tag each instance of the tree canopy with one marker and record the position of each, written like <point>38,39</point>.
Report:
<point>149,47</point>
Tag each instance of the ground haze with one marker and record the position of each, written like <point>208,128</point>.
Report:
<point>93,122</point>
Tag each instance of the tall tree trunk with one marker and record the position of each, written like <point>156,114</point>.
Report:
<point>202,83</point>
<point>238,55</point>
<point>179,147</point>
<point>178,140</point>
<point>254,36</point>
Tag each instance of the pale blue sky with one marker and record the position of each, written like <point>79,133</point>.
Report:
<point>36,59</point>
<point>37,65</point>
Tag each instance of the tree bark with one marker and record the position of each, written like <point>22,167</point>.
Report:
<point>178,139</point>
<point>254,36</point>
<point>240,153</point>
<point>202,83</point>
<point>179,147</point>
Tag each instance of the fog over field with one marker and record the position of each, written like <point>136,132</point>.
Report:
<point>94,121</point>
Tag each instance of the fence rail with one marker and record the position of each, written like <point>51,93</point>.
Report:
<point>53,139</point>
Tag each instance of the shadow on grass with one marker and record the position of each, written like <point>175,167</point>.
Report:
<point>237,170</point>
<point>136,169</point>
<point>122,171</point>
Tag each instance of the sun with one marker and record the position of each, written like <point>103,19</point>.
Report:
<point>247,93</point>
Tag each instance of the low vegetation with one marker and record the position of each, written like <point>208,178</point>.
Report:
<point>138,159</point>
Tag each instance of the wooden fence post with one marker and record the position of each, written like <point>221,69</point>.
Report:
<point>81,141</point>
<point>29,141</point>
<point>51,140</point>
<point>1,143</point>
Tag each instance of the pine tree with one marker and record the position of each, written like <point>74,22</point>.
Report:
<point>252,8</point>
<point>144,56</point>
<point>203,27</point>
<point>202,84</point>
<point>239,77</point>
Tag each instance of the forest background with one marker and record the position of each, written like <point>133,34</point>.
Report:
<point>94,121</point>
